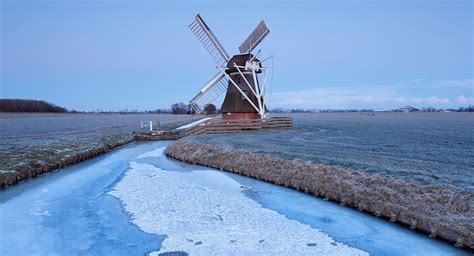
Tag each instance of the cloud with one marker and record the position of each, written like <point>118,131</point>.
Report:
<point>360,97</point>
<point>467,84</point>
<point>422,100</point>
<point>465,100</point>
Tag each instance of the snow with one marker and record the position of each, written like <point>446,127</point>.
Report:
<point>203,212</point>
<point>154,153</point>
<point>197,122</point>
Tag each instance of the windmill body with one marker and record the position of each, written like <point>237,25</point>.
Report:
<point>238,76</point>
<point>236,105</point>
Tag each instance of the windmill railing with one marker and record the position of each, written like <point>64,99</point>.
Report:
<point>278,123</point>
<point>229,126</point>
<point>220,126</point>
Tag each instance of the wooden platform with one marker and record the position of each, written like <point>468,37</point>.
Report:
<point>278,123</point>
<point>219,126</point>
<point>163,135</point>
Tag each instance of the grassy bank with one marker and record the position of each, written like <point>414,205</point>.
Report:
<point>439,210</point>
<point>47,160</point>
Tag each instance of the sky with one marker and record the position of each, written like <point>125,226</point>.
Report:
<point>116,55</point>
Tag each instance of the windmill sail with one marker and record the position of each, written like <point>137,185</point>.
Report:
<point>255,38</point>
<point>210,42</point>
<point>210,92</point>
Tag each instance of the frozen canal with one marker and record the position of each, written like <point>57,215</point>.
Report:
<point>136,201</point>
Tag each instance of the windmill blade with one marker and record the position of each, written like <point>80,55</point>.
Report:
<point>258,34</point>
<point>210,91</point>
<point>209,40</point>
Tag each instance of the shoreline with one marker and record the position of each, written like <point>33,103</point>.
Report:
<point>440,211</point>
<point>33,169</point>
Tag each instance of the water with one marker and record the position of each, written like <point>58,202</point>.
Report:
<point>69,212</point>
<point>76,211</point>
<point>431,148</point>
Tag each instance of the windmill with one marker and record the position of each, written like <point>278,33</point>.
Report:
<point>237,77</point>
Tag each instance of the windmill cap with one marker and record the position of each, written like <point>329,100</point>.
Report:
<point>240,60</point>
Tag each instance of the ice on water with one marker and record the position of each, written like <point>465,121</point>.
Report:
<point>203,212</point>
<point>154,153</point>
<point>173,206</point>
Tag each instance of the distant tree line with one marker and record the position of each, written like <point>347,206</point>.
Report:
<point>127,111</point>
<point>465,109</point>
<point>470,108</point>
<point>37,106</point>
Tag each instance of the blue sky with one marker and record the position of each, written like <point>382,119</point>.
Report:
<point>113,55</point>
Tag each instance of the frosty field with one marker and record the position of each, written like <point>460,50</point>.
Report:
<point>41,128</point>
<point>31,144</point>
<point>431,148</point>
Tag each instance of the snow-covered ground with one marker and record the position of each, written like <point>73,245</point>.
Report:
<point>197,122</point>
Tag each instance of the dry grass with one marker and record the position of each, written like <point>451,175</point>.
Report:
<point>439,210</point>
<point>47,163</point>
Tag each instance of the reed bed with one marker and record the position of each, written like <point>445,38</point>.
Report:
<point>441,211</point>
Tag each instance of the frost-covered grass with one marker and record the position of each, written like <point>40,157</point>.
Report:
<point>430,148</point>
<point>31,144</point>
<point>39,128</point>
